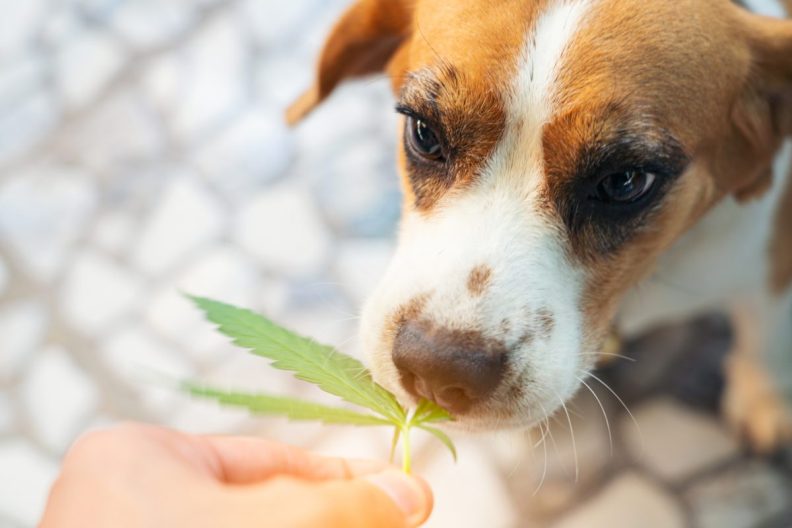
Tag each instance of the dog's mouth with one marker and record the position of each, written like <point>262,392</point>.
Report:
<point>497,419</point>
<point>515,405</point>
<point>525,394</point>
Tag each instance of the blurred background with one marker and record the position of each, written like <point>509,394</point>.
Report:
<point>143,152</point>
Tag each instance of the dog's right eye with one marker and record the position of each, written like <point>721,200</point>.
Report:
<point>423,140</point>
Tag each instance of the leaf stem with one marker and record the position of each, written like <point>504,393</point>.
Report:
<point>406,454</point>
<point>394,443</point>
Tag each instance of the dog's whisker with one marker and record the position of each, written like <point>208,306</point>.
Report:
<point>657,278</point>
<point>571,436</point>
<point>555,447</point>
<point>571,407</point>
<point>544,470</point>
<point>620,356</point>
<point>542,439</point>
<point>518,463</point>
<point>347,319</point>
<point>629,412</point>
<point>604,413</point>
<point>347,340</point>
<point>442,60</point>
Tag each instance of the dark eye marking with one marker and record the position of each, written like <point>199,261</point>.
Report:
<point>451,127</point>
<point>429,158</point>
<point>617,184</point>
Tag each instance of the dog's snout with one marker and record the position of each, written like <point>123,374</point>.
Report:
<point>453,368</point>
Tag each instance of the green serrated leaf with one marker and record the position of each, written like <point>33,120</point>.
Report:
<point>440,435</point>
<point>334,372</point>
<point>429,412</point>
<point>330,370</point>
<point>291,408</point>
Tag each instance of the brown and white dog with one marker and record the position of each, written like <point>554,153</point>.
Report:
<point>559,156</point>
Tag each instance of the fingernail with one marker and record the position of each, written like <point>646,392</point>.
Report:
<point>410,494</point>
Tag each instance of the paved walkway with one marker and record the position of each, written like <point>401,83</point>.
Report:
<point>142,152</point>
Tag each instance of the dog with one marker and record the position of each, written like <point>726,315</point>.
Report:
<point>571,167</point>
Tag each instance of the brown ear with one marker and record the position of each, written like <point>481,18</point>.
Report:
<point>361,43</point>
<point>763,114</point>
<point>771,43</point>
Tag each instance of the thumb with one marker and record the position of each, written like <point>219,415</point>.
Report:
<point>410,494</point>
<point>389,499</point>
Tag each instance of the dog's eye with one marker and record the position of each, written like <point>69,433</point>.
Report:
<point>423,139</point>
<point>625,187</point>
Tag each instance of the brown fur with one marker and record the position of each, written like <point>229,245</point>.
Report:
<point>470,128</point>
<point>479,280</point>
<point>362,42</point>
<point>781,249</point>
<point>723,96</point>
<point>546,322</point>
<point>681,91</point>
<point>469,60</point>
<point>411,310</point>
<point>458,70</point>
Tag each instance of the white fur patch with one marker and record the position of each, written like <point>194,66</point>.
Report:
<point>498,223</point>
<point>541,60</point>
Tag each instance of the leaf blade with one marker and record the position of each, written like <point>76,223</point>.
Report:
<point>440,435</point>
<point>429,412</point>
<point>332,371</point>
<point>291,408</point>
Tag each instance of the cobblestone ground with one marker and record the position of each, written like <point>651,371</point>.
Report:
<point>142,151</point>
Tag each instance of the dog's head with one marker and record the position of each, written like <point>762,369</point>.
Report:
<point>550,151</point>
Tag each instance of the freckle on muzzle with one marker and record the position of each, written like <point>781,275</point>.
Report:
<point>454,368</point>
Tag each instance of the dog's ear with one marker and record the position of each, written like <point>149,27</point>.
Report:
<point>361,43</point>
<point>772,57</point>
<point>763,114</point>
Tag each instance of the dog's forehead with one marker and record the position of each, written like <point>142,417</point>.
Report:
<point>569,72</point>
<point>655,54</point>
<point>484,75</point>
<point>472,35</point>
<point>678,61</point>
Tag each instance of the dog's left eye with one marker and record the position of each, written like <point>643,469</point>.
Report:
<point>625,187</point>
<point>424,140</point>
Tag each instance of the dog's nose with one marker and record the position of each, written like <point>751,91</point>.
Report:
<point>453,368</point>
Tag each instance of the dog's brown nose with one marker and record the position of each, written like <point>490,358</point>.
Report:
<point>453,368</point>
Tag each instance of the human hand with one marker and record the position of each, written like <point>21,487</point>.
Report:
<point>137,476</point>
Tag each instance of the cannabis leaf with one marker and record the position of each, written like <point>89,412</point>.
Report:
<point>333,372</point>
<point>291,408</point>
<point>321,365</point>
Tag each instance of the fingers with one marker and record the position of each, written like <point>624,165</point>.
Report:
<point>285,485</point>
<point>232,460</point>
<point>388,499</point>
<point>244,460</point>
<point>411,494</point>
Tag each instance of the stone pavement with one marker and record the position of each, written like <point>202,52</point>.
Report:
<point>142,151</point>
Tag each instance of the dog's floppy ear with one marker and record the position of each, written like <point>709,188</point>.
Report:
<point>771,41</point>
<point>763,115</point>
<point>362,42</point>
